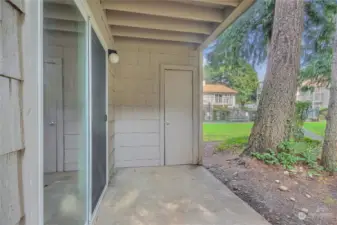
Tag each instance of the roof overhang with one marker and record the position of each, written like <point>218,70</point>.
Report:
<point>194,22</point>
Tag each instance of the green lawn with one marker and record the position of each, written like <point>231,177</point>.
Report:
<point>316,127</point>
<point>224,131</point>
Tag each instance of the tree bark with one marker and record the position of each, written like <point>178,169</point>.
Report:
<point>277,105</point>
<point>329,153</point>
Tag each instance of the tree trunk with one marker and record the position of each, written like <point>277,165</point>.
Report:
<point>277,104</point>
<point>329,153</point>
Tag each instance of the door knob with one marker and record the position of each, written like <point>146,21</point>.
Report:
<point>52,123</point>
<point>167,123</point>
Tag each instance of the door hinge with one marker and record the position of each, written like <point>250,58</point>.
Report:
<point>106,117</point>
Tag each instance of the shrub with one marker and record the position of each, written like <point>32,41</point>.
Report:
<point>290,153</point>
<point>296,125</point>
<point>270,157</point>
<point>312,141</point>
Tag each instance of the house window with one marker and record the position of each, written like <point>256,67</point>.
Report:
<point>226,99</point>
<point>218,98</point>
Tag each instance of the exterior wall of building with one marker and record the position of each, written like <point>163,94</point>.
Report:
<point>111,117</point>
<point>319,97</point>
<point>11,121</point>
<point>63,45</point>
<point>225,100</point>
<point>137,116</point>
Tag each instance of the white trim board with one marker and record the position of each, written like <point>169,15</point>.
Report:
<point>195,105</point>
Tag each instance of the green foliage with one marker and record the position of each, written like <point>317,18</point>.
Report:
<point>323,113</point>
<point>312,142</point>
<point>320,30</point>
<point>269,157</point>
<point>291,153</point>
<point>288,160</point>
<point>317,70</point>
<point>233,144</point>
<point>248,37</point>
<point>301,114</point>
<point>241,77</point>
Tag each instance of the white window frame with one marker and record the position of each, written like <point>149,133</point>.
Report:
<point>218,98</point>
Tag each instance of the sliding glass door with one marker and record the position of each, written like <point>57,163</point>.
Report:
<point>66,113</point>
<point>98,120</point>
<point>75,120</point>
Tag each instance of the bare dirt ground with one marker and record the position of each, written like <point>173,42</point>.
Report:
<point>307,200</point>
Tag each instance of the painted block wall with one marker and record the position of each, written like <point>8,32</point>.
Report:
<point>63,45</point>
<point>111,117</point>
<point>137,97</point>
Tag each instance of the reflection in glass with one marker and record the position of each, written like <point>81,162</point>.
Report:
<point>65,114</point>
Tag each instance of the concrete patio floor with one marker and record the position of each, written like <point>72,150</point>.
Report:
<point>171,196</point>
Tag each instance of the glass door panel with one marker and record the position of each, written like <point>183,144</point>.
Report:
<point>98,112</point>
<point>66,120</point>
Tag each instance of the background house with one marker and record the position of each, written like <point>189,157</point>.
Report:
<point>317,93</point>
<point>318,96</point>
<point>217,95</point>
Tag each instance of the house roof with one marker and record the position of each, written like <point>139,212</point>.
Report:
<point>218,88</point>
<point>323,82</point>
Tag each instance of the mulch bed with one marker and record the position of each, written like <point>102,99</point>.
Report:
<point>308,200</point>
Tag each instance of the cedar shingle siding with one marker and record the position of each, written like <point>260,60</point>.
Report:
<point>11,131</point>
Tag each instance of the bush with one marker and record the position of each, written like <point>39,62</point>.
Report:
<point>296,125</point>
<point>270,157</point>
<point>323,113</point>
<point>291,153</point>
<point>312,141</point>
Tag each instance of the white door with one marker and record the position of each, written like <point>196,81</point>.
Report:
<point>53,113</point>
<point>178,117</point>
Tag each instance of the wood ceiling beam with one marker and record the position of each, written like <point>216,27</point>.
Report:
<point>158,23</point>
<point>238,11</point>
<point>167,9</point>
<point>156,34</point>
<point>233,3</point>
<point>99,22</point>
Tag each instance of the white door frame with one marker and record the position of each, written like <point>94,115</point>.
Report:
<point>59,122</point>
<point>93,213</point>
<point>195,110</point>
<point>86,12</point>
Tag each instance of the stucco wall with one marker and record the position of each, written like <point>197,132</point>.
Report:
<point>11,127</point>
<point>137,97</point>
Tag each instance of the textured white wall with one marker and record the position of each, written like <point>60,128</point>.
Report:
<point>137,97</point>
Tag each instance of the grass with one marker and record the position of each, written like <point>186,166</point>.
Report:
<point>234,137</point>
<point>316,127</point>
<point>225,131</point>
<point>235,144</point>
